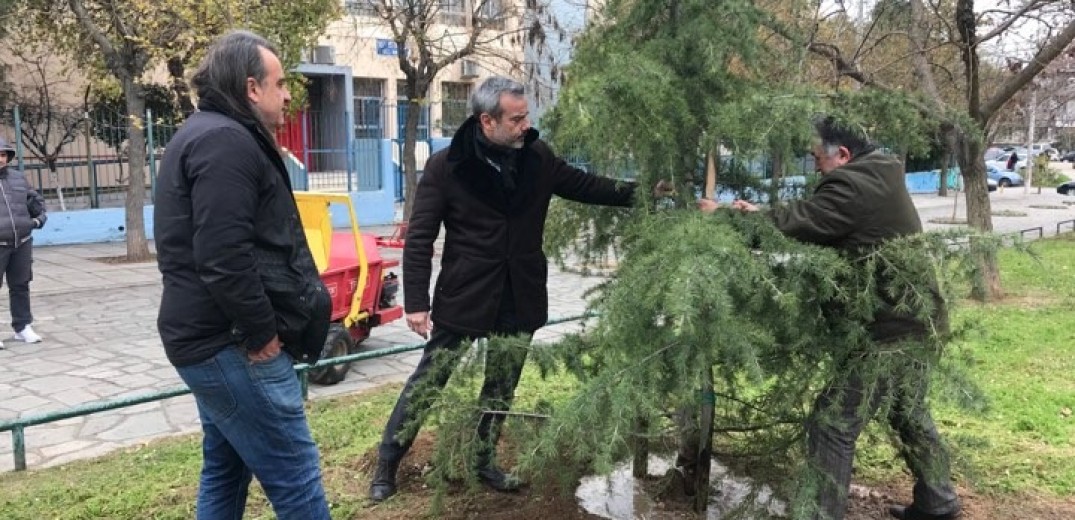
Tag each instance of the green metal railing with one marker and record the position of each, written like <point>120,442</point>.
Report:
<point>18,426</point>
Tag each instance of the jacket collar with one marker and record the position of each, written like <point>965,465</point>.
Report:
<point>480,179</point>
<point>265,142</point>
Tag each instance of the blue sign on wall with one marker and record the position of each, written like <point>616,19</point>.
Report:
<point>387,47</point>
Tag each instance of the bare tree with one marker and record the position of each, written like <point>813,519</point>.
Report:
<point>984,93</point>
<point>47,126</point>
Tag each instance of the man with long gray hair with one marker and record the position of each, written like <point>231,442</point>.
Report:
<point>491,191</point>
<point>242,297</point>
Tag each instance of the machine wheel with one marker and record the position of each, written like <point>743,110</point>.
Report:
<point>337,344</point>
<point>1005,182</point>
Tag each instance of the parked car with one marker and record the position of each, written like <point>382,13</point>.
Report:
<point>1003,178</point>
<point>991,184</point>
<point>1068,188</point>
<point>1002,161</point>
<point>1068,157</point>
<point>992,153</point>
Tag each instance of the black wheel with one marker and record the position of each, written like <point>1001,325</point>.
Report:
<point>1005,182</point>
<point>337,344</point>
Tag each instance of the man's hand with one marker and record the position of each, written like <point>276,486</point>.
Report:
<point>707,206</point>
<point>744,206</point>
<point>269,351</point>
<point>419,322</point>
<point>664,188</point>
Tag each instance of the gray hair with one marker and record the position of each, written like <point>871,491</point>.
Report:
<point>486,98</point>
<point>221,76</point>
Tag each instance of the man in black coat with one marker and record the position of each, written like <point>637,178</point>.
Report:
<point>862,201</point>
<point>242,297</point>
<point>491,191</point>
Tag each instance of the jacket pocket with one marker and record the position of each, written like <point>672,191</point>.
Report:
<point>302,319</point>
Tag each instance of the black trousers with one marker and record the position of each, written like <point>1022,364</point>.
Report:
<point>838,417</point>
<point>502,372</point>
<point>16,267</point>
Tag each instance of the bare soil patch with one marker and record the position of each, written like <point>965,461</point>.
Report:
<point>549,500</point>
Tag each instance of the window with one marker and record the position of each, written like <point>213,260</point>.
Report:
<point>491,13</point>
<point>453,12</point>
<point>401,113</point>
<point>454,98</point>
<point>361,7</point>
<point>369,108</point>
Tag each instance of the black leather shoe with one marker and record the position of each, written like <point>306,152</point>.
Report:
<point>383,485</point>
<point>498,480</point>
<point>910,513</point>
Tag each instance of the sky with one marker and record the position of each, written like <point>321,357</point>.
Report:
<point>1020,42</point>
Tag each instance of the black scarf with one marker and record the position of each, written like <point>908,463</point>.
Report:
<point>503,158</point>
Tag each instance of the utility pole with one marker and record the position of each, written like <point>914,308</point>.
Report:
<point>1030,156</point>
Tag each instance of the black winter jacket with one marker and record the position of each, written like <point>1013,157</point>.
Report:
<point>493,235</point>
<point>22,206</point>
<point>230,246</point>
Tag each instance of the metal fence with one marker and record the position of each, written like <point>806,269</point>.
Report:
<point>18,426</point>
<point>78,159</point>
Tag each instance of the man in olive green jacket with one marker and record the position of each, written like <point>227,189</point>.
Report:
<point>860,202</point>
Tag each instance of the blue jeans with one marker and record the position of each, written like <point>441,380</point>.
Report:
<point>254,424</point>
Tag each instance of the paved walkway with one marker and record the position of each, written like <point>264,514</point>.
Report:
<point>98,321</point>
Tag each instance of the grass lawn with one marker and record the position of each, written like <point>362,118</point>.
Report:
<point>1021,445</point>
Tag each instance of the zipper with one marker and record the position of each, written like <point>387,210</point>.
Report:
<point>11,216</point>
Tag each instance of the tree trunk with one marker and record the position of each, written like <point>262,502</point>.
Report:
<point>640,464</point>
<point>950,143</point>
<point>979,211</point>
<point>776,182</point>
<point>705,449</point>
<point>177,70</point>
<point>137,247</point>
<point>54,177</point>
<point>410,167</point>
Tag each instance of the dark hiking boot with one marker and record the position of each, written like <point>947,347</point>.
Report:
<point>497,480</point>
<point>910,513</point>
<point>383,485</point>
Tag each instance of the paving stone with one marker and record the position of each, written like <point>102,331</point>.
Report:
<point>182,412</point>
<point>64,448</point>
<point>97,423</point>
<point>23,403</point>
<point>96,449</point>
<point>43,435</point>
<point>74,397</point>
<point>137,381</point>
<point>37,367</point>
<point>54,384</point>
<point>138,426</point>
<point>378,370</point>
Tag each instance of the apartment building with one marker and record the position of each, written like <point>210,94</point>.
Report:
<point>362,43</point>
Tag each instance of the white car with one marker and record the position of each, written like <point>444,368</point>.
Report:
<point>1001,162</point>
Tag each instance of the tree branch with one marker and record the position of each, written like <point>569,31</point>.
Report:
<point>1016,16</point>
<point>1038,63</point>
<point>112,56</point>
